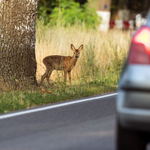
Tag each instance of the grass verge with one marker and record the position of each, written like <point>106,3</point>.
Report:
<point>16,100</point>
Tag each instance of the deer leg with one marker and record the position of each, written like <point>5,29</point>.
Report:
<point>49,69</point>
<point>48,76</point>
<point>43,77</point>
<point>65,76</point>
<point>69,74</point>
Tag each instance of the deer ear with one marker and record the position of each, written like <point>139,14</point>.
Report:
<point>72,47</point>
<point>80,48</point>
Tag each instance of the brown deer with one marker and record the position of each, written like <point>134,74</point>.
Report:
<point>58,62</point>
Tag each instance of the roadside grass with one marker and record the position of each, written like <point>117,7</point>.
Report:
<point>96,72</point>
<point>16,100</point>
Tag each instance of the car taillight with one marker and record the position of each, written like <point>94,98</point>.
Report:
<point>140,47</point>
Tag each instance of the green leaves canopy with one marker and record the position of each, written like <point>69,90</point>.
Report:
<point>69,13</point>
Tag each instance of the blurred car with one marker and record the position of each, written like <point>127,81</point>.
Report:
<point>133,99</point>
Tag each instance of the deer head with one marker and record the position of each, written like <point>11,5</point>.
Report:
<point>76,51</point>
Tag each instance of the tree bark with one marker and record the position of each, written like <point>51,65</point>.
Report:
<point>17,42</point>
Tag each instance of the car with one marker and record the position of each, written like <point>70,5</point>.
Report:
<point>133,99</point>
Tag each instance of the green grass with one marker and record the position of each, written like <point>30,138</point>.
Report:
<point>16,100</point>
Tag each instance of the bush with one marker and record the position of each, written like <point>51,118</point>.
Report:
<point>70,12</point>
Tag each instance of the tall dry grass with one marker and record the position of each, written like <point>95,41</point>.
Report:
<point>99,65</point>
<point>103,53</point>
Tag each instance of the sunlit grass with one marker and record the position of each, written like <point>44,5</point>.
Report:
<point>97,70</point>
<point>102,56</point>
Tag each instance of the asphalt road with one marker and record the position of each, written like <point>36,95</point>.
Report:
<point>89,125</point>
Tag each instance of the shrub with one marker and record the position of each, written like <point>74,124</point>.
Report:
<point>70,12</point>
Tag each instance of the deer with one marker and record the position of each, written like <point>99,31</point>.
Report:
<point>59,62</point>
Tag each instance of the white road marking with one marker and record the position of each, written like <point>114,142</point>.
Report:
<point>54,106</point>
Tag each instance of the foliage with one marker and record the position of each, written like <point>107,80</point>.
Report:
<point>45,8</point>
<point>62,12</point>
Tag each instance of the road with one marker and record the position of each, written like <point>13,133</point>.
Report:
<point>87,125</point>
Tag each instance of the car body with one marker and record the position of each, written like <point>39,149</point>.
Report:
<point>133,99</point>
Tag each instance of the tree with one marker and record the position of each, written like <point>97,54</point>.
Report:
<point>81,1</point>
<point>134,5</point>
<point>45,7</point>
<point>146,5</point>
<point>71,12</point>
<point>17,42</point>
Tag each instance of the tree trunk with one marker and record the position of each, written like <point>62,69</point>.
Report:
<point>17,42</point>
<point>123,4</point>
